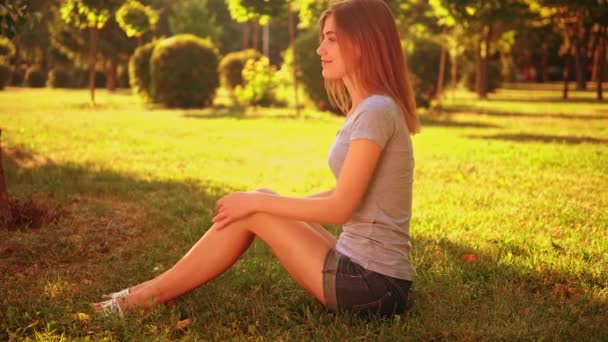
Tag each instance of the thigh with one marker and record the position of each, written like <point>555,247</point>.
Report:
<point>300,249</point>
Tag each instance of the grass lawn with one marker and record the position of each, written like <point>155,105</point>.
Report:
<point>510,225</point>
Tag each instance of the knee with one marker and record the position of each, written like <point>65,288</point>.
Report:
<point>265,191</point>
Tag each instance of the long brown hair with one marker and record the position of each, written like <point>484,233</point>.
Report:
<point>370,26</point>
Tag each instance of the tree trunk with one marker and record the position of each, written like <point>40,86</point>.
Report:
<point>478,67</point>
<point>292,42</point>
<point>246,35</point>
<point>580,59</point>
<point>266,40</point>
<point>439,90</point>
<point>566,74</point>
<point>543,77</point>
<point>111,70</point>
<point>139,40</point>
<point>483,87</point>
<point>6,217</point>
<point>596,61</point>
<point>602,63</point>
<point>94,37</point>
<point>256,35</point>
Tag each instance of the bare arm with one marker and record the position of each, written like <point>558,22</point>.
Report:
<point>321,194</point>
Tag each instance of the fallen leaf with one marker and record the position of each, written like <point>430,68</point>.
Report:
<point>469,258</point>
<point>183,324</point>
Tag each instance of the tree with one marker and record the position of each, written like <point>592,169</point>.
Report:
<point>136,19</point>
<point>91,15</point>
<point>194,17</point>
<point>256,12</point>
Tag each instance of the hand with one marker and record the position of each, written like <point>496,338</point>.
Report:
<point>234,207</point>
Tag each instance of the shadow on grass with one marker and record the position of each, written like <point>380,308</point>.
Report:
<point>487,290</point>
<point>441,122</point>
<point>543,99</point>
<point>236,113</point>
<point>504,113</point>
<point>548,139</point>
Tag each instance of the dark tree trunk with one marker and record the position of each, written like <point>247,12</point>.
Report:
<point>478,67</point>
<point>601,63</point>
<point>543,64</point>
<point>566,74</point>
<point>256,36</point>
<point>111,71</point>
<point>483,87</point>
<point>581,46</point>
<point>6,217</point>
<point>441,66</point>
<point>292,42</point>
<point>246,36</point>
<point>94,37</point>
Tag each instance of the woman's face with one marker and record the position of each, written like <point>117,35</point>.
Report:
<point>329,50</point>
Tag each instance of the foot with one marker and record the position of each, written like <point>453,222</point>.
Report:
<point>111,307</point>
<point>119,294</point>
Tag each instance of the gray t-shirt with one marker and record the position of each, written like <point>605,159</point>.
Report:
<point>378,234</point>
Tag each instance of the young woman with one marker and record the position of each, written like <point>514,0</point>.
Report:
<point>367,269</point>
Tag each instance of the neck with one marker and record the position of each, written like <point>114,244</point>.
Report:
<point>356,93</point>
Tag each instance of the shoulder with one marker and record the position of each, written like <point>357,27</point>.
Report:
<point>377,107</point>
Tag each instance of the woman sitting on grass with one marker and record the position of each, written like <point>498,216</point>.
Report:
<point>367,269</point>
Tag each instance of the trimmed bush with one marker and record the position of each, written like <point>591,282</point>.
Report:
<point>309,70</point>
<point>184,72</point>
<point>139,70</point>
<point>260,83</point>
<point>17,76</point>
<point>5,73</point>
<point>35,77</point>
<point>494,76</point>
<point>231,67</point>
<point>423,65</point>
<point>59,78</point>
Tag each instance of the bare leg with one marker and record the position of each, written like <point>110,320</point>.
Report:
<point>327,236</point>
<point>298,246</point>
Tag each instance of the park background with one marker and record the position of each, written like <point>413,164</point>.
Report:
<point>122,123</point>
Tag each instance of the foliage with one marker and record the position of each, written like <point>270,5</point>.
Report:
<point>424,72</point>
<point>260,82</point>
<point>254,10</point>
<point>139,70</point>
<point>309,70</point>
<point>5,73</point>
<point>231,67</point>
<point>193,16</point>
<point>7,48</point>
<point>184,72</point>
<point>35,77</point>
<point>88,13</point>
<point>135,18</point>
<point>59,78</point>
<point>13,16</point>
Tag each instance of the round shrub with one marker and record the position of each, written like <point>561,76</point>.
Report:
<point>260,82</point>
<point>494,76</point>
<point>17,76</point>
<point>231,67</point>
<point>59,78</point>
<point>184,72</point>
<point>35,77</point>
<point>309,70</point>
<point>139,70</point>
<point>423,65</point>
<point>5,73</point>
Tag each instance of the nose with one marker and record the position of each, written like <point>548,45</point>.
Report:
<point>320,50</point>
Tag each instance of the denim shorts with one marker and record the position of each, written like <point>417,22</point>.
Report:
<point>348,286</point>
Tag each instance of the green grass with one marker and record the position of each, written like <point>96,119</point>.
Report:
<point>520,181</point>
